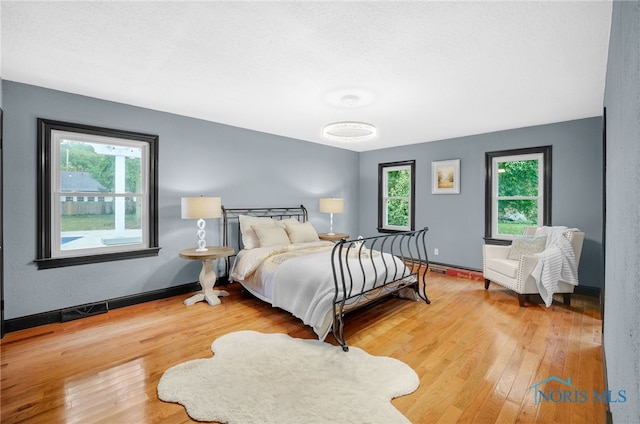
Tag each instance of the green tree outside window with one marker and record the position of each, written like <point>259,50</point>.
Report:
<point>398,208</point>
<point>517,194</point>
<point>396,196</point>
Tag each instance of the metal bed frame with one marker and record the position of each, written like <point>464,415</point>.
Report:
<point>409,246</point>
<point>231,224</point>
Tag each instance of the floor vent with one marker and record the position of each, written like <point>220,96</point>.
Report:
<point>84,311</point>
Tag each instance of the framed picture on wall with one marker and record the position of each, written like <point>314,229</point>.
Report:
<point>445,177</point>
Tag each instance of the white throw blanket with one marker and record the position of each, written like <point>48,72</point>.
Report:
<point>299,279</point>
<point>557,262</point>
<point>305,285</point>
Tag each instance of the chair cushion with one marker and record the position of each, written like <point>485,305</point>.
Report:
<point>506,267</point>
<point>526,246</point>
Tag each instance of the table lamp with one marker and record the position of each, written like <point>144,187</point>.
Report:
<point>331,206</point>
<point>201,208</point>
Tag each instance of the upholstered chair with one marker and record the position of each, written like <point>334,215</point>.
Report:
<point>514,271</point>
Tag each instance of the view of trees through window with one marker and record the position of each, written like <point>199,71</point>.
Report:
<point>88,170</point>
<point>81,156</point>
<point>518,193</point>
<point>398,191</point>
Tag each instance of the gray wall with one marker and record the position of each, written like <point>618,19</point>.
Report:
<point>248,168</point>
<point>622,295</point>
<point>456,222</point>
<point>245,168</point>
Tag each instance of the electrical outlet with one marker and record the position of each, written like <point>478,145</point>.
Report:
<point>435,251</point>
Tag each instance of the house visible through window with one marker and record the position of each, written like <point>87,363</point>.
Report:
<point>518,191</point>
<point>97,194</point>
<point>396,200</point>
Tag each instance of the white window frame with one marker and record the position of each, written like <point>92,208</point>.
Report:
<point>58,138</point>
<point>496,198</point>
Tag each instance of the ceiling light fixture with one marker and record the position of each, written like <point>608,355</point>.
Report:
<point>349,131</point>
<point>350,100</point>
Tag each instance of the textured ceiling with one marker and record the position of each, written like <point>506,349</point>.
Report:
<point>421,70</point>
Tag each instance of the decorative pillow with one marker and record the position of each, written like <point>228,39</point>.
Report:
<point>284,222</point>
<point>271,235</point>
<point>302,233</point>
<point>249,238</point>
<point>526,246</point>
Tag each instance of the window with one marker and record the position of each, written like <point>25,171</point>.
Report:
<point>396,196</point>
<point>517,192</point>
<point>119,169</point>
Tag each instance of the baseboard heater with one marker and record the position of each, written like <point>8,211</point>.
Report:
<point>438,269</point>
<point>455,271</point>
<point>84,311</point>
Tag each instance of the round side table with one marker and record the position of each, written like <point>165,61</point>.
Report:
<point>333,237</point>
<point>207,275</point>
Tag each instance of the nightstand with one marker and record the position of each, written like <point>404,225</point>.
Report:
<point>333,237</point>
<point>207,275</point>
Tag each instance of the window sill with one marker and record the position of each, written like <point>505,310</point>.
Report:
<point>387,230</point>
<point>48,263</point>
<point>499,242</point>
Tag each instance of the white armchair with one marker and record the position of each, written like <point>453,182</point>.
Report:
<point>516,274</point>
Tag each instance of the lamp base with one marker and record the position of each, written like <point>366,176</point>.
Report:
<point>202,243</point>
<point>331,233</point>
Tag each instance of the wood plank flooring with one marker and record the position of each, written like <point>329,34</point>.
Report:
<point>476,351</point>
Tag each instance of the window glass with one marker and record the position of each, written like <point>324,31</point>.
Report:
<point>396,196</point>
<point>518,193</point>
<point>114,169</point>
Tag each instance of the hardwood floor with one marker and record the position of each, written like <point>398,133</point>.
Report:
<point>476,351</point>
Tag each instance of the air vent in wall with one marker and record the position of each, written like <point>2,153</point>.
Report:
<point>84,311</point>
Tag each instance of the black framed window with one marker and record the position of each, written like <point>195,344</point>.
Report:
<point>120,169</point>
<point>396,196</point>
<point>517,192</point>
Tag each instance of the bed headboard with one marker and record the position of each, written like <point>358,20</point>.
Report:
<point>231,224</point>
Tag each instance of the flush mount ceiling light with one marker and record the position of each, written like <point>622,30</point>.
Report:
<point>349,131</point>
<point>349,98</point>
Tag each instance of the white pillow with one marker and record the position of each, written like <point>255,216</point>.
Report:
<point>302,233</point>
<point>284,222</point>
<point>526,246</point>
<point>271,235</point>
<point>249,238</point>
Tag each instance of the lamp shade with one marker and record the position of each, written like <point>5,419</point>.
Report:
<point>201,207</point>
<point>331,205</point>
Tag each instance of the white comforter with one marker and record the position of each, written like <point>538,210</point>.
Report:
<point>557,262</point>
<point>299,278</point>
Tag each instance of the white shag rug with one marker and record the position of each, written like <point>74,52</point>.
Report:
<point>274,378</point>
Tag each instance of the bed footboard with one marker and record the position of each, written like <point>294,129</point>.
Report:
<point>366,269</point>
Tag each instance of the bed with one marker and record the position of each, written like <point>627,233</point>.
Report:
<point>282,261</point>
